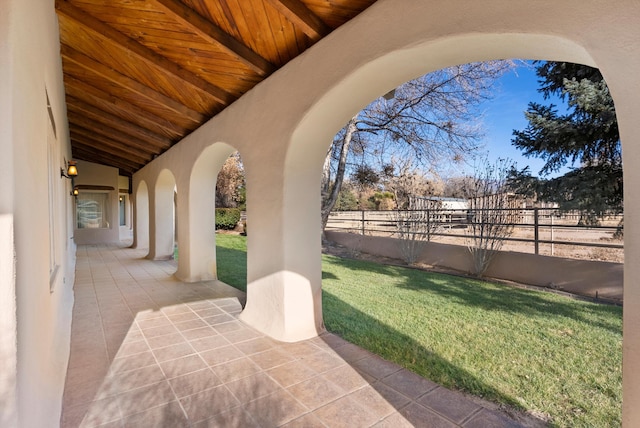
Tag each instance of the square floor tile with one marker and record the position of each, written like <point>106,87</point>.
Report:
<point>315,392</point>
<point>221,355</point>
<point>165,340</point>
<point>271,358</point>
<point>182,366</point>
<point>132,362</point>
<point>173,351</point>
<point>236,369</point>
<point>343,412</point>
<point>241,335</point>
<point>420,416</point>
<point>194,382</point>
<point>409,383</point>
<point>275,409</point>
<point>453,405</point>
<point>255,346</point>
<point>141,399</point>
<point>230,418</point>
<point>209,342</point>
<point>125,381</point>
<point>206,404</point>
<point>253,387</point>
<point>291,373</point>
<point>376,367</point>
<point>166,415</point>
<point>346,377</point>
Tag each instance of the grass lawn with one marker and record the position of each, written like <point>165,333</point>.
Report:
<point>231,257</point>
<point>551,355</point>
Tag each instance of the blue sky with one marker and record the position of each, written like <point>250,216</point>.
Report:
<point>505,112</point>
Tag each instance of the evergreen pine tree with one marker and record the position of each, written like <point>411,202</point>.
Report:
<point>586,135</point>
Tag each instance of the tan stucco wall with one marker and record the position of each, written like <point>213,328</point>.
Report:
<point>8,320</point>
<point>99,175</point>
<point>35,306</point>
<point>283,127</point>
<point>583,277</point>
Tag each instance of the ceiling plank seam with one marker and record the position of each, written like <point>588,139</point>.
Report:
<point>100,29</point>
<point>303,18</point>
<point>214,34</point>
<point>126,82</point>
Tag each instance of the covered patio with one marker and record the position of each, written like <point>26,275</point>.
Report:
<point>158,93</point>
<point>148,350</point>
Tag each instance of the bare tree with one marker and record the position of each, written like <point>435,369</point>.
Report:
<point>415,227</point>
<point>231,183</point>
<point>415,223</point>
<point>429,119</point>
<point>489,218</point>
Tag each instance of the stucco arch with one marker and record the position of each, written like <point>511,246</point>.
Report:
<point>388,44</point>
<point>197,260</point>
<point>162,213</point>
<point>295,112</point>
<point>310,140</point>
<point>314,133</point>
<point>141,216</point>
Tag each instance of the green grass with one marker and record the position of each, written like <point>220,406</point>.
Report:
<point>231,257</point>
<point>551,355</point>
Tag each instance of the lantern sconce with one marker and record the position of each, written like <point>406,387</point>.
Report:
<point>72,170</point>
<point>71,173</point>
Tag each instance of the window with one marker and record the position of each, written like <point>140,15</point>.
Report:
<point>53,165</point>
<point>123,211</point>
<point>92,211</point>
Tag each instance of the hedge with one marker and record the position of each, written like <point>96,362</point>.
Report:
<point>227,218</point>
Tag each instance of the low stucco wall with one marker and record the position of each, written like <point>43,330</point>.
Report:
<point>583,277</point>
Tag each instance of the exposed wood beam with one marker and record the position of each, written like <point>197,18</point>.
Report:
<point>102,156</point>
<point>79,106</point>
<point>111,146</point>
<point>92,154</point>
<point>113,152</point>
<point>98,128</point>
<point>133,48</point>
<point>214,34</point>
<point>76,87</point>
<point>130,84</point>
<point>303,18</point>
<point>145,151</point>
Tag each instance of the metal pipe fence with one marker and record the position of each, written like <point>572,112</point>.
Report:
<point>535,226</point>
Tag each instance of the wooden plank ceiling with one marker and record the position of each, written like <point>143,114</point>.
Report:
<point>142,74</point>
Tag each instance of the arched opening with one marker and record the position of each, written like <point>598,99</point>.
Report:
<point>231,223</point>
<point>162,230</point>
<point>197,258</point>
<point>309,142</point>
<point>141,213</point>
<point>356,300</point>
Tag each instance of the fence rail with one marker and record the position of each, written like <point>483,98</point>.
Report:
<point>536,226</point>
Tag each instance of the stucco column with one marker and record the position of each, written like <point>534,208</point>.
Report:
<point>625,89</point>
<point>283,266</point>
<point>161,227</point>
<point>141,216</point>
<point>197,217</point>
<point>196,235</point>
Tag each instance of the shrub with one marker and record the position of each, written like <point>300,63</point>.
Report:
<point>227,218</point>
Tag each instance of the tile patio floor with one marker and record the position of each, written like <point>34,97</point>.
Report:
<point>150,351</point>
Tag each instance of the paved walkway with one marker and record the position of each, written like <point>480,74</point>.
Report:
<point>150,351</point>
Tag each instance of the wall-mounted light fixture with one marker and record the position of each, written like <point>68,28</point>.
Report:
<point>75,191</point>
<point>71,171</point>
